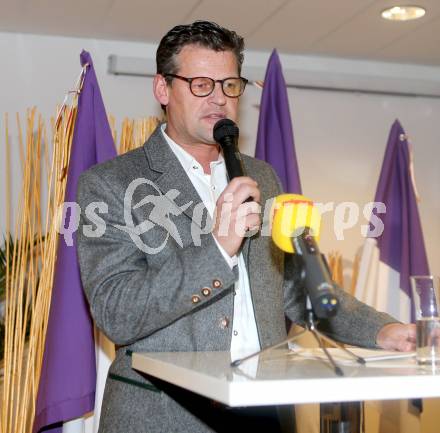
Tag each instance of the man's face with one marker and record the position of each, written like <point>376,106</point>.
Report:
<point>190,118</point>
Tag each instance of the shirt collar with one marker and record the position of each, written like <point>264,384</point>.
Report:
<point>187,160</point>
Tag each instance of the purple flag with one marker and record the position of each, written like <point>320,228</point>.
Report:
<point>400,248</point>
<point>67,384</point>
<point>275,143</point>
<point>401,245</point>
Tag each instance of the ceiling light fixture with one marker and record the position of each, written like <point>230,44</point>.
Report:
<point>403,13</point>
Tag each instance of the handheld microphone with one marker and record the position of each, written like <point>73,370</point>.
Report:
<point>295,227</point>
<point>226,133</point>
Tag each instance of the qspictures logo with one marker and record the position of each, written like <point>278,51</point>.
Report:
<point>163,209</point>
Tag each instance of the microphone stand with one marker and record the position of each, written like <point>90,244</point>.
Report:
<point>319,337</point>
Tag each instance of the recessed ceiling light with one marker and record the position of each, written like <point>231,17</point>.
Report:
<point>403,13</point>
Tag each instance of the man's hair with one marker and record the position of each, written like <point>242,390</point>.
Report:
<point>203,33</point>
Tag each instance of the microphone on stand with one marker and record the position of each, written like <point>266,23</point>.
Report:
<point>295,228</point>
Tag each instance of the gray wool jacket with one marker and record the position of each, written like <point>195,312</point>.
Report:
<point>145,286</point>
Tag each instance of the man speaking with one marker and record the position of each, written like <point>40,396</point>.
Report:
<point>222,290</point>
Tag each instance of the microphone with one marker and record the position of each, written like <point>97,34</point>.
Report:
<point>295,227</point>
<point>226,133</point>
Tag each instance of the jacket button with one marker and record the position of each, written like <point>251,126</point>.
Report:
<point>195,299</point>
<point>206,291</point>
<point>224,322</point>
<point>216,284</point>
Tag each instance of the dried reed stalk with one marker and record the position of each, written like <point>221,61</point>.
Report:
<point>112,123</point>
<point>355,274</point>
<point>8,227</point>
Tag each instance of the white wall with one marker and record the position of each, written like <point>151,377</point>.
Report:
<point>340,138</point>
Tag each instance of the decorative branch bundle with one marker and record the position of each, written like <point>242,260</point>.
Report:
<point>30,265</point>
<point>336,267</point>
<point>134,133</point>
<point>335,262</point>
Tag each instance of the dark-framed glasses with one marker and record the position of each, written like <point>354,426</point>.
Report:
<point>233,87</point>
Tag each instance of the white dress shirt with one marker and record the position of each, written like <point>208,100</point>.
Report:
<point>209,187</point>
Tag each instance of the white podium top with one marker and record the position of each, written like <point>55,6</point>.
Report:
<point>281,377</point>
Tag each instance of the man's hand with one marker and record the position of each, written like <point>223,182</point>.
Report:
<point>234,217</point>
<point>397,336</point>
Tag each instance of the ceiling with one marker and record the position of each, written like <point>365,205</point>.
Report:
<point>337,28</point>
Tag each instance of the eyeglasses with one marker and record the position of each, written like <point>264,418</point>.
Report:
<point>233,87</point>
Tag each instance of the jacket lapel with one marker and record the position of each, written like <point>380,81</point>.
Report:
<point>171,175</point>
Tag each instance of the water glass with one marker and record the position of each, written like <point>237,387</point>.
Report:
<point>425,289</point>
